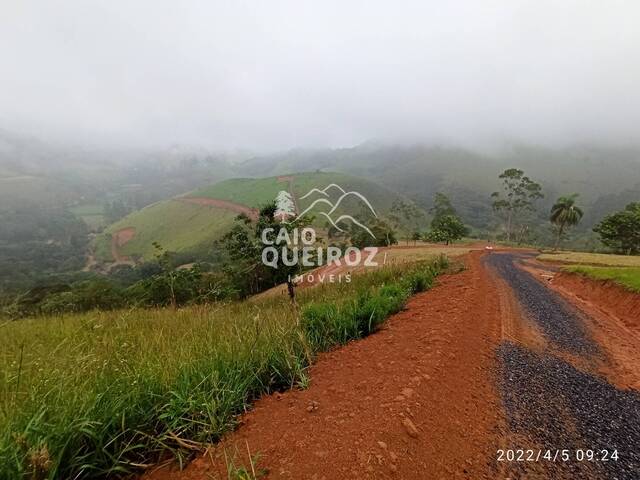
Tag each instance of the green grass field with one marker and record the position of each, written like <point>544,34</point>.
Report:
<point>177,226</point>
<point>251,192</point>
<point>592,259</point>
<point>102,393</point>
<point>628,277</point>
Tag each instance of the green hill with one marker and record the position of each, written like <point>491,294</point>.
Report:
<point>193,221</point>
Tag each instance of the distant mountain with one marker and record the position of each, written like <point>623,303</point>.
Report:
<point>469,177</point>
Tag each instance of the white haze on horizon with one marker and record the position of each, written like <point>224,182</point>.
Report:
<point>280,74</point>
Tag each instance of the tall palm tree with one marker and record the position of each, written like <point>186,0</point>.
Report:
<point>565,213</point>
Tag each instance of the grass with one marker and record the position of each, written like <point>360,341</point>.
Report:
<point>91,214</point>
<point>592,259</point>
<point>627,277</point>
<point>177,226</point>
<point>251,192</point>
<point>103,393</point>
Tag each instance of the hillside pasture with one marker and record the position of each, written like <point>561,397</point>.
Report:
<point>190,222</point>
<point>176,225</point>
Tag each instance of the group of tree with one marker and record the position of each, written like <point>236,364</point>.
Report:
<point>621,230</point>
<point>517,198</point>
<point>244,244</point>
<point>446,225</point>
<point>36,242</point>
<point>159,283</point>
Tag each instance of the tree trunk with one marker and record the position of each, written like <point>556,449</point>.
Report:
<point>291,290</point>
<point>174,304</point>
<point>559,236</point>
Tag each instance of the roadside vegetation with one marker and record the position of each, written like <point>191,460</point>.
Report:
<point>627,277</point>
<point>103,393</point>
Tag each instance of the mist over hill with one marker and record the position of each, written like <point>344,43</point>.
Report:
<point>605,177</point>
<point>469,177</point>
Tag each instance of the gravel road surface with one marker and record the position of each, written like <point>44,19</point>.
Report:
<point>549,403</point>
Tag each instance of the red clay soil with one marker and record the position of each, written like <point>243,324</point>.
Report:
<point>252,213</point>
<point>415,400</point>
<point>609,297</point>
<point>118,240</point>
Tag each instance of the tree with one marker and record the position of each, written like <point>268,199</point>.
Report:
<point>564,214</point>
<point>447,229</point>
<point>621,230</point>
<point>406,214</point>
<point>441,206</point>
<point>244,244</point>
<point>519,194</point>
<point>384,235</point>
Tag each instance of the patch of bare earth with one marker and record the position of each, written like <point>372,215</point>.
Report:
<point>118,240</point>
<point>416,400</point>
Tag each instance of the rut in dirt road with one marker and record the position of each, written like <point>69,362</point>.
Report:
<point>551,403</point>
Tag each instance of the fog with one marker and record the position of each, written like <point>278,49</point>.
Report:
<point>279,74</point>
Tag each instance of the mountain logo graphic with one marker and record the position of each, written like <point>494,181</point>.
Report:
<point>285,207</point>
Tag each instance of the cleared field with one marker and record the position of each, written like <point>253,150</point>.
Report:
<point>251,192</point>
<point>628,277</point>
<point>176,225</point>
<point>592,259</point>
<point>91,214</point>
<point>402,254</point>
<point>105,392</point>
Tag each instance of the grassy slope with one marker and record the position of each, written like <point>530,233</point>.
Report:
<point>180,226</point>
<point>245,191</point>
<point>592,259</point>
<point>176,225</point>
<point>628,277</point>
<point>100,390</point>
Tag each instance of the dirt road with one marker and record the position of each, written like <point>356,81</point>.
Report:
<point>490,359</point>
<point>561,393</point>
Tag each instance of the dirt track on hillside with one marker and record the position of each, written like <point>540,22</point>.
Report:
<point>252,213</point>
<point>490,358</point>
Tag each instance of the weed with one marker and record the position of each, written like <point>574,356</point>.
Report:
<point>104,393</point>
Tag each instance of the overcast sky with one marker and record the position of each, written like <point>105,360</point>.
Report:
<point>278,74</point>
